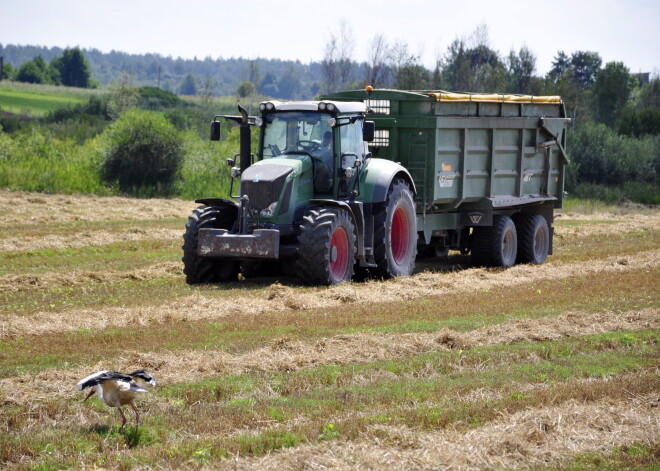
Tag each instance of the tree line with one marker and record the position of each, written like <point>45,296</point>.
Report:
<point>615,114</point>
<point>69,69</point>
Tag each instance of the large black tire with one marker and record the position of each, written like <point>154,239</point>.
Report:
<point>206,270</point>
<point>533,238</point>
<point>395,233</point>
<point>496,245</point>
<point>326,253</point>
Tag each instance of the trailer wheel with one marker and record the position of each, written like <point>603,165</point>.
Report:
<point>326,252</point>
<point>533,238</point>
<point>206,270</point>
<point>395,233</point>
<point>496,245</point>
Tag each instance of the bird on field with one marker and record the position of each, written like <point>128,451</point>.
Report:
<point>118,389</point>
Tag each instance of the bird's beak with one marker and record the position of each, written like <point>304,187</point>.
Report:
<point>89,395</point>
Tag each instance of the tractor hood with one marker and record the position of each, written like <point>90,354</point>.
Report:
<point>265,181</point>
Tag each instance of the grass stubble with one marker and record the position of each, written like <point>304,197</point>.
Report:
<point>361,376</point>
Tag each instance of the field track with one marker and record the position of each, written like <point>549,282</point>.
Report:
<point>452,368</point>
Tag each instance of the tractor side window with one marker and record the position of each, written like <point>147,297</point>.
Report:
<point>351,139</point>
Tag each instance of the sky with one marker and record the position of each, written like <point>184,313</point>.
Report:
<point>626,31</point>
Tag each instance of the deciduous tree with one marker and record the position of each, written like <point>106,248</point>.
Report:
<point>188,86</point>
<point>34,71</point>
<point>521,70</point>
<point>336,63</point>
<point>611,92</point>
<point>72,68</point>
<point>379,56</point>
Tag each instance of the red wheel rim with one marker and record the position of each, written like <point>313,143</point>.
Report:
<point>400,237</point>
<point>339,252</point>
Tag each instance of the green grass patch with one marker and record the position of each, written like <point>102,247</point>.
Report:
<point>634,457</point>
<point>603,245</point>
<point>37,101</point>
<point>113,256</point>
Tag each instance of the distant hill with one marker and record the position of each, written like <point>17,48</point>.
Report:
<point>221,77</point>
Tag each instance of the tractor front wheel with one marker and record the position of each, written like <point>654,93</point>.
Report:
<point>326,253</point>
<point>200,269</point>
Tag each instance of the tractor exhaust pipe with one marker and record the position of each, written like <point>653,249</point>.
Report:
<point>245,141</point>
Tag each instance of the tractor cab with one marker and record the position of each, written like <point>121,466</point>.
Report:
<point>330,135</point>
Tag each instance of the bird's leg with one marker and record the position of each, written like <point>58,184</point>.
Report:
<point>123,418</point>
<point>137,416</point>
<point>90,394</point>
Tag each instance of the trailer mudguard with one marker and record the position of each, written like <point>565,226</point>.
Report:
<point>376,179</point>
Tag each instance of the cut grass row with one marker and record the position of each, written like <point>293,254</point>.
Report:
<point>586,248</point>
<point>241,333</point>
<point>112,258</point>
<point>259,413</point>
<point>74,228</point>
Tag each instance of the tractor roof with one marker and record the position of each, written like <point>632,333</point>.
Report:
<point>339,106</point>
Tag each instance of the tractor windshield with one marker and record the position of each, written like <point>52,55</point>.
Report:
<point>295,132</point>
<point>303,133</point>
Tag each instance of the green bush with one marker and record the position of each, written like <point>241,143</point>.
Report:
<point>636,192</point>
<point>143,154</point>
<point>153,98</point>
<point>603,157</point>
<point>80,122</point>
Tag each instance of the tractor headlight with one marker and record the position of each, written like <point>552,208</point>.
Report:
<point>269,211</point>
<point>266,106</point>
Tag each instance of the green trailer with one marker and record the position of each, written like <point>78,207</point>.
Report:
<point>356,184</point>
<point>478,162</point>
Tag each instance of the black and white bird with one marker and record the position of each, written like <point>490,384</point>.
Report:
<point>118,389</point>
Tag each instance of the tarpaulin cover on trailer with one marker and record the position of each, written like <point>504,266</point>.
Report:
<point>493,98</point>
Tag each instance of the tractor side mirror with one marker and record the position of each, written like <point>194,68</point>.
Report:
<point>215,130</point>
<point>368,131</point>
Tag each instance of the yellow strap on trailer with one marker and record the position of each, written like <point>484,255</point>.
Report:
<point>493,98</point>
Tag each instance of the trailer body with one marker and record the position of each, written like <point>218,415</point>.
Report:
<point>471,156</point>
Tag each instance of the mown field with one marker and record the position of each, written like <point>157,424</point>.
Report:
<point>535,367</point>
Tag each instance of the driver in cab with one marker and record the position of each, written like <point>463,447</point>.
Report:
<point>324,165</point>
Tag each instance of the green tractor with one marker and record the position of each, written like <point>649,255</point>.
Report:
<point>314,202</point>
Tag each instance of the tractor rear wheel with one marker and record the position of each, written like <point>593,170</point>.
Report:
<point>533,238</point>
<point>326,253</point>
<point>395,233</point>
<point>200,269</point>
<point>496,245</point>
